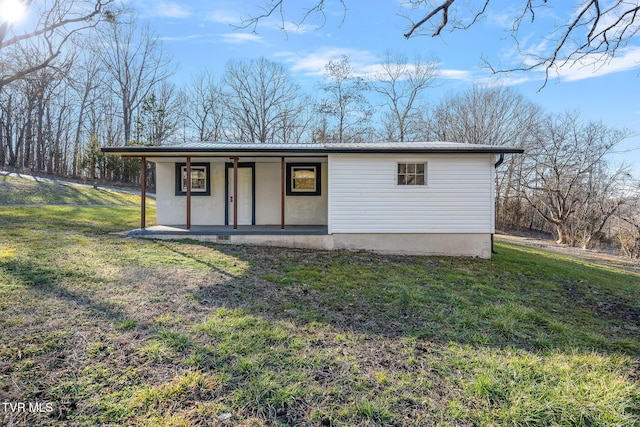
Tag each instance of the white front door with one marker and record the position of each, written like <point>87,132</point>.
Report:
<point>245,196</point>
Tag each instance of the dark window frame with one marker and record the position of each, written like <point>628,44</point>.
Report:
<point>178,180</point>
<point>410,177</point>
<point>289,178</point>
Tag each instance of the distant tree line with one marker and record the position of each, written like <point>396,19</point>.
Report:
<point>107,84</point>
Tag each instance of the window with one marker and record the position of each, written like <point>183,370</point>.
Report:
<point>412,173</point>
<point>200,179</point>
<point>303,179</point>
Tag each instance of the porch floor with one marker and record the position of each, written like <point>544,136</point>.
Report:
<point>261,230</point>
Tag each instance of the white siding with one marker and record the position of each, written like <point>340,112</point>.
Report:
<point>364,196</point>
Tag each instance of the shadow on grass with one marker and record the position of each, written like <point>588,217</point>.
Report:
<point>235,326</point>
<point>518,299</point>
<point>86,219</point>
<point>49,281</point>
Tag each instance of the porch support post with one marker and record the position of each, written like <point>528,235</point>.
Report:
<point>188,167</point>
<point>235,193</point>
<point>282,190</point>
<point>143,193</point>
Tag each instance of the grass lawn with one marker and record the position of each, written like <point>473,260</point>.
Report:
<point>105,330</point>
<point>19,191</point>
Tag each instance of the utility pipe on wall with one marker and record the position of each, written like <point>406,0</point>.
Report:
<point>495,166</point>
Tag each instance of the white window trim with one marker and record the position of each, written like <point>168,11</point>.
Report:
<point>412,162</point>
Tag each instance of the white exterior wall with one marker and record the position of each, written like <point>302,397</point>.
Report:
<point>299,210</point>
<point>210,210</point>
<point>172,209</point>
<point>365,198</point>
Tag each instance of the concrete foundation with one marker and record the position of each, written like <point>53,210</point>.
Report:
<point>470,245</point>
<point>445,244</point>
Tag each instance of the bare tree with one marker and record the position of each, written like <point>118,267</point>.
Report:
<point>134,59</point>
<point>87,84</point>
<point>604,195</point>
<point>564,156</point>
<point>261,99</point>
<point>401,83</point>
<point>592,31</point>
<point>44,92</point>
<point>204,108</point>
<point>346,103</point>
<point>104,128</point>
<point>56,23</point>
<point>628,222</point>
<point>498,116</point>
<point>14,110</point>
<point>157,118</point>
<point>296,127</point>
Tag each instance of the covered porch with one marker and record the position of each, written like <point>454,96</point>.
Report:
<point>237,193</point>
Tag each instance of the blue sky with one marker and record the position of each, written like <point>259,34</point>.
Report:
<point>200,35</point>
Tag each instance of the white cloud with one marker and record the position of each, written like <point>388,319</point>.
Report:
<point>313,63</point>
<point>595,66</point>
<point>225,17</point>
<point>283,54</point>
<point>239,38</point>
<point>507,79</point>
<point>291,27</point>
<point>486,78</point>
<point>464,75</point>
<point>502,19</point>
<point>182,38</point>
<point>171,10</point>
<point>365,63</point>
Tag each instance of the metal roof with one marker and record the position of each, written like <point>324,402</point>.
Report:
<point>216,148</point>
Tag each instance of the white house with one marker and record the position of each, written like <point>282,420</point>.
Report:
<point>433,198</point>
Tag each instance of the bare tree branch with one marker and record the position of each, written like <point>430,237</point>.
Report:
<point>56,26</point>
<point>591,35</point>
<point>276,7</point>
<point>444,8</point>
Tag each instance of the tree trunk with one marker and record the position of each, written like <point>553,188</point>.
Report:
<point>76,141</point>
<point>40,144</point>
<point>127,119</point>
<point>563,235</point>
<point>2,150</point>
<point>28,140</point>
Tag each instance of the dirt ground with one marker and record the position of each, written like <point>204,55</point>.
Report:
<point>594,256</point>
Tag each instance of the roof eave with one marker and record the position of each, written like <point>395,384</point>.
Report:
<point>188,151</point>
<point>444,150</point>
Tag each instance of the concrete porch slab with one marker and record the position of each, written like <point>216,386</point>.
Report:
<point>204,230</point>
